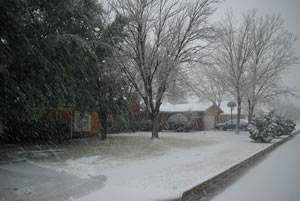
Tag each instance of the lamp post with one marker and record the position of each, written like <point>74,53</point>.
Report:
<point>231,104</point>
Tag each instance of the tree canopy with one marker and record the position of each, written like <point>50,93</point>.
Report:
<point>51,53</point>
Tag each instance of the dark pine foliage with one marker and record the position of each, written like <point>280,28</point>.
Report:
<point>52,53</point>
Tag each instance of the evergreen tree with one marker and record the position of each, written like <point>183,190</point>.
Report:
<point>52,53</point>
<point>45,54</point>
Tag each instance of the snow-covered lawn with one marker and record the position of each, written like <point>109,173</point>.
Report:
<point>298,125</point>
<point>140,169</point>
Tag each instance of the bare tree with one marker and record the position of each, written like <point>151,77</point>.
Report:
<point>253,56</point>
<point>162,35</point>
<point>207,84</point>
<point>233,51</point>
<point>272,55</point>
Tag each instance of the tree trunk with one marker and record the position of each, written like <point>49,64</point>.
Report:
<point>103,121</point>
<point>216,114</point>
<point>147,112</point>
<point>231,117</point>
<point>239,107</point>
<point>215,122</point>
<point>250,110</point>
<point>155,124</point>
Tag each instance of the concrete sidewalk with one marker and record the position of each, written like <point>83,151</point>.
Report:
<point>22,181</point>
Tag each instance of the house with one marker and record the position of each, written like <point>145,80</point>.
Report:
<point>82,124</point>
<point>200,114</point>
<point>227,116</point>
<point>79,123</point>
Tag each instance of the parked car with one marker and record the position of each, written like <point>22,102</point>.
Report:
<point>227,125</point>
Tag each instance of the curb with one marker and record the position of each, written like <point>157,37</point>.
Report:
<point>200,192</point>
<point>12,161</point>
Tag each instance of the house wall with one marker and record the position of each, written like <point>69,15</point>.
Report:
<point>226,117</point>
<point>93,128</point>
<point>198,124</point>
<point>211,110</point>
<point>95,123</point>
<point>209,122</point>
<point>62,114</point>
<point>209,117</point>
<point>197,119</point>
<point>68,116</point>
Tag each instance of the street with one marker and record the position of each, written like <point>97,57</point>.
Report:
<point>276,178</point>
<point>22,181</point>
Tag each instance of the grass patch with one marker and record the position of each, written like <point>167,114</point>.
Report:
<point>116,147</point>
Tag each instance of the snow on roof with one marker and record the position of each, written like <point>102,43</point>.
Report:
<point>168,107</point>
<point>192,104</point>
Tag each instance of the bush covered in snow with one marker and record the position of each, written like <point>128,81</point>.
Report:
<point>290,126</point>
<point>263,128</point>
<point>179,123</point>
<point>284,126</point>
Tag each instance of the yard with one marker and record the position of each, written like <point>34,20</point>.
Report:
<point>138,168</point>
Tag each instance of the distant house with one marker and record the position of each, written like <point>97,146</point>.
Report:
<point>200,114</point>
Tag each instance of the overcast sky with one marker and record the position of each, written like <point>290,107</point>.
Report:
<point>289,11</point>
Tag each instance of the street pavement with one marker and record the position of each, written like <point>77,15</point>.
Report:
<point>276,178</point>
<point>23,181</point>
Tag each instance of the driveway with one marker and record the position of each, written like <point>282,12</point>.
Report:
<point>23,181</point>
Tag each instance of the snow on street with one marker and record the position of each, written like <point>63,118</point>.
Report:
<point>276,178</point>
<point>24,181</point>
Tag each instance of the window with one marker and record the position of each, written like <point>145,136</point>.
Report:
<point>82,121</point>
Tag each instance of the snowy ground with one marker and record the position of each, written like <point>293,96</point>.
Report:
<point>140,169</point>
<point>298,125</point>
<point>276,178</point>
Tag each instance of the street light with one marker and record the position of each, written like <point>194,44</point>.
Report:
<point>231,104</point>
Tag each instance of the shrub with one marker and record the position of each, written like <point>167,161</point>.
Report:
<point>146,125</point>
<point>283,126</point>
<point>179,123</point>
<point>121,123</point>
<point>260,129</point>
<point>188,127</point>
<point>35,131</point>
<point>265,127</point>
<point>280,126</point>
<point>290,126</point>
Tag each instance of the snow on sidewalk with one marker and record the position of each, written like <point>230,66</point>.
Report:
<point>168,175</point>
<point>276,178</point>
